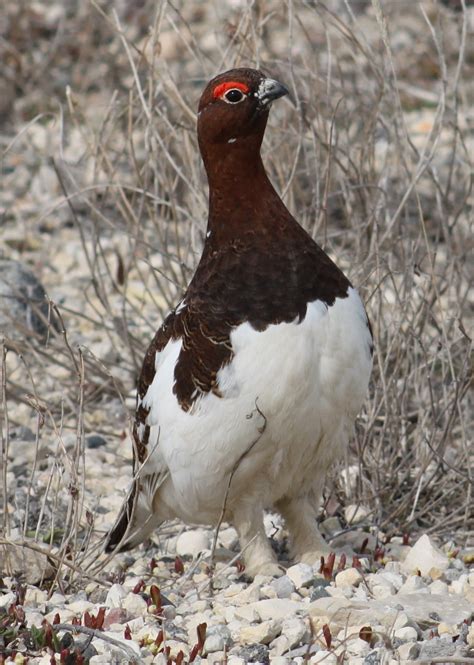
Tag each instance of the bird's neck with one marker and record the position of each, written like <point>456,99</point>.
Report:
<point>242,199</point>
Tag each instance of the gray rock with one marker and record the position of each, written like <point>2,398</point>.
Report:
<point>420,607</point>
<point>283,586</point>
<point>436,648</point>
<point>301,574</point>
<point>255,653</point>
<point>260,633</point>
<point>276,608</point>
<point>30,565</point>
<point>373,658</point>
<point>95,441</point>
<point>84,645</point>
<point>318,592</point>
<point>217,638</point>
<point>295,630</point>
<point>23,305</point>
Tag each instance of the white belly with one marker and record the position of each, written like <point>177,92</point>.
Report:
<point>289,400</point>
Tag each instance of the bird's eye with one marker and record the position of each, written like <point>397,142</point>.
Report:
<point>234,96</point>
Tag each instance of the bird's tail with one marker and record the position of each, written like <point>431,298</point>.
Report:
<point>137,519</point>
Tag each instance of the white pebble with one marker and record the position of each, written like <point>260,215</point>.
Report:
<point>414,583</point>
<point>438,586</point>
<point>134,604</point>
<point>295,630</point>
<point>407,634</point>
<point>262,633</point>
<point>348,578</point>
<point>424,556</point>
<point>115,597</point>
<point>301,574</point>
<point>358,647</point>
<point>192,543</point>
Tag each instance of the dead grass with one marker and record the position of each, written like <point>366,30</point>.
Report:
<point>374,158</point>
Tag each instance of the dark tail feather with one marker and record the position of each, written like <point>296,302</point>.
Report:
<point>138,517</point>
<point>116,538</point>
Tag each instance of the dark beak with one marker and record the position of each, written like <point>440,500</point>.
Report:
<point>269,90</point>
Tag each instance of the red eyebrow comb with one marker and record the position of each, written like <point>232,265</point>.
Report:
<point>222,88</point>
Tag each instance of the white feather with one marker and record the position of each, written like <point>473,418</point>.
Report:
<point>290,393</point>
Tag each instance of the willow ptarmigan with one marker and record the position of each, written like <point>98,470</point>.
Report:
<point>250,388</point>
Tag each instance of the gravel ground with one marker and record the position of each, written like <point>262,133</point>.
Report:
<point>390,603</point>
<point>112,260</point>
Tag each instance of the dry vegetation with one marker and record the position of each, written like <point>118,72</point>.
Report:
<point>104,196</point>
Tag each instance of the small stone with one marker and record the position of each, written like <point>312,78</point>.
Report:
<point>318,592</point>
<point>31,565</point>
<point>406,634</point>
<point>358,647</point>
<point>169,612</point>
<point>23,303</point>
<point>115,596</point>
<point>356,513</point>
<point>458,585</point>
<point>86,649</point>
<point>395,579</point>
<point>435,573</point>
<point>262,633</point>
<point>436,648</point>
<point>301,574</point>
<point>283,586</point>
<point>279,646</point>
<point>216,658</point>
<point>276,608</point>
<point>401,621</point>
<point>255,653</point>
<point>217,639</point>
<point>7,599</point>
<point>229,538</point>
<point>95,441</point>
<point>408,651</point>
<point>438,586</point>
<point>414,583</point>
<point>192,543</point>
<point>373,658</point>
<point>35,597</point>
<point>295,630</point>
<point>447,629</point>
<point>424,556</point>
<point>134,604</point>
<point>470,635</point>
<point>80,606</point>
<point>381,589</point>
<point>33,618</point>
<point>247,613</point>
<point>348,578</point>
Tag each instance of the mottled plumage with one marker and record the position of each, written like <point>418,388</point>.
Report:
<point>265,360</point>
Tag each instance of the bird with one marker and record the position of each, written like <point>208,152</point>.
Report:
<point>251,386</point>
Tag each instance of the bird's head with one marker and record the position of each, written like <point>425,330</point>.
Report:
<point>233,111</point>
